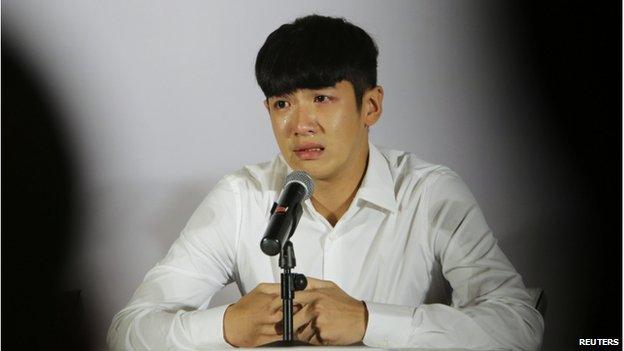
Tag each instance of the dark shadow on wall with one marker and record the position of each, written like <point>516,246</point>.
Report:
<point>39,184</point>
<point>571,51</point>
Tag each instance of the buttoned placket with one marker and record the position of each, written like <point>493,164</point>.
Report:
<point>333,234</point>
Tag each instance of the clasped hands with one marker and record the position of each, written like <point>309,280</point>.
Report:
<point>323,315</point>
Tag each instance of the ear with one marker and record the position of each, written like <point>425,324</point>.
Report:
<point>372,105</point>
<point>266,105</point>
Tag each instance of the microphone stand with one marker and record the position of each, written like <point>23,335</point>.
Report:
<point>289,282</point>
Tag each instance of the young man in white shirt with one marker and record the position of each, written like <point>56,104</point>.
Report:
<point>383,240</point>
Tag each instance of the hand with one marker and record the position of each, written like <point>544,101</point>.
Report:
<point>254,320</point>
<point>329,316</point>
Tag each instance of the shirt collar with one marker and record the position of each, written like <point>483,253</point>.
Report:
<point>377,186</point>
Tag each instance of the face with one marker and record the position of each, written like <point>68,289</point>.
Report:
<point>322,131</point>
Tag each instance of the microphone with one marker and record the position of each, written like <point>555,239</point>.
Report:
<point>286,212</point>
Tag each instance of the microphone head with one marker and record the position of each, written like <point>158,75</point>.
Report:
<point>304,179</point>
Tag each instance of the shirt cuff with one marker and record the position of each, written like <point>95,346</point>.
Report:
<point>206,327</point>
<point>387,324</point>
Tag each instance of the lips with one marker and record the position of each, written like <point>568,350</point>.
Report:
<point>309,151</point>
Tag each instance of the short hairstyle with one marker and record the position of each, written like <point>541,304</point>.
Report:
<point>315,52</point>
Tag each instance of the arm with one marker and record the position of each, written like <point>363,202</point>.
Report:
<point>491,307</point>
<point>169,308</point>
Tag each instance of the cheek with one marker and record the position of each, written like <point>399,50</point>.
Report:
<point>280,130</point>
<point>280,124</point>
<point>345,128</point>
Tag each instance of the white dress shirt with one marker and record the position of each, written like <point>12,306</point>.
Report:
<point>412,229</point>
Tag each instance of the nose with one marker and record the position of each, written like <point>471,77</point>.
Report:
<point>305,121</point>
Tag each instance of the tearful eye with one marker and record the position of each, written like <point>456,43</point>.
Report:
<point>280,104</point>
<point>321,98</point>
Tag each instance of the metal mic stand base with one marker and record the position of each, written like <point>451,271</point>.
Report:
<point>286,343</point>
<point>289,282</point>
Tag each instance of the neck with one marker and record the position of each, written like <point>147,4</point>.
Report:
<point>332,197</point>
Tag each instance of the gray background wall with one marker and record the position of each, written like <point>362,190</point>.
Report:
<point>159,101</point>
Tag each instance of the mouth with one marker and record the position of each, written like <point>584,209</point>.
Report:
<point>309,151</point>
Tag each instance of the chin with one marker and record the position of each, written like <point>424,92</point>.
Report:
<point>312,170</point>
<point>317,173</point>
<point>317,169</point>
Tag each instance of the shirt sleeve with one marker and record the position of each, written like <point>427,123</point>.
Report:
<point>169,308</point>
<point>490,308</point>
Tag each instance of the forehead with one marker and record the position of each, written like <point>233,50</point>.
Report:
<point>342,87</point>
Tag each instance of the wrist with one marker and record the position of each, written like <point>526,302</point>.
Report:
<point>226,324</point>
<point>365,308</point>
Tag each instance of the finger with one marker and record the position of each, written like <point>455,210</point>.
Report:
<point>306,333</point>
<point>302,328</point>
<point>314,283</point>
<point>270,329</point>
<point>316,339</point>
<point>306,297</point>
<point>303,317</point>
<point>276,304</point>
<point>274,317</point>
<point>279,327</point>
<point>268,288</point>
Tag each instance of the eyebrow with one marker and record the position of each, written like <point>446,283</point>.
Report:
<point>280,96</point>
<point>324,88</point>
<point>313,90</point>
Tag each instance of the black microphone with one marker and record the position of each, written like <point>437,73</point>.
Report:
<point>286,212</point>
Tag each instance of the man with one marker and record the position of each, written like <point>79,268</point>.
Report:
<point>380,240</point>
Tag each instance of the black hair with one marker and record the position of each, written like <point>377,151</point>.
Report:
<point>316,52</point>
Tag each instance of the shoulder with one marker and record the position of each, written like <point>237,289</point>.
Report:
<point>249,185</point>
<point>419,184</point>
<point>408,169</point>
<point>258,178</point>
